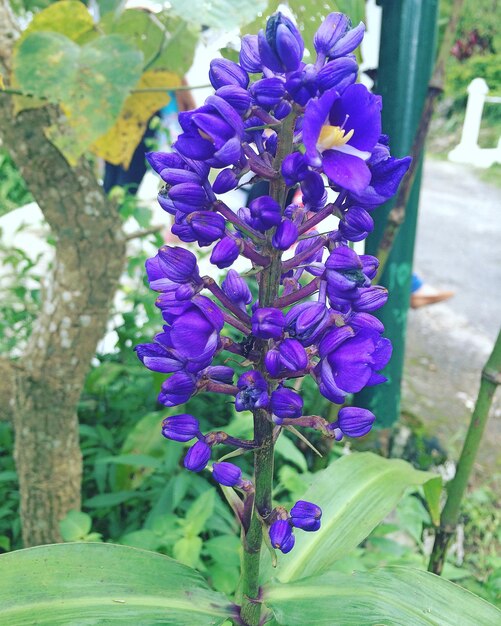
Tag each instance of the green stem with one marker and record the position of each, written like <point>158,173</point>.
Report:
<point>491,378</point>
<point>263,426</point>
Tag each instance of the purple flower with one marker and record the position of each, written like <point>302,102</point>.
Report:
<point>268,92</point>
<point>249,54</point>
<point>289,356</point>
<point>225,181</point>
<point>253,392</point>
<point>225,72</point>
<point>285,235</point>
<point>264,213</point>
<point>268,323</point>
<point>212,133</point>
<point>158,357</point>
<point>176,264</point>
<point>238,98</point>
<point>227,474</point>
<point>314,193</point>
<point>343,271</point>
<point>183,427</point>
<point>286,404</point>
<point>237,290</point>
<point>356,224</point>
<point>281,535</point>
<point>334,39</point>
<point>197,457</point>
<point>352,364</point>
<point>281,47</point>
<point>343,130</point>
<point>306,515</point>
<point>307,321</point>
<point>294,168</point>
<point>207,226</point>
<point>225,252</point>
<point>189,197</point>
<point>355,422</point>
<point>338,74</point>
<point>177,389</point>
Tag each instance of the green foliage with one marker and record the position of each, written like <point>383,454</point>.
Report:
<point>13,190</point>
<point>390,596</point>
<point>82,583</point>
<point>220,14</point>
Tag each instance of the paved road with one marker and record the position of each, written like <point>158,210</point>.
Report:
<point>458,247</point>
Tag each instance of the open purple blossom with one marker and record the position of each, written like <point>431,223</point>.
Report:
<point>292,126</point>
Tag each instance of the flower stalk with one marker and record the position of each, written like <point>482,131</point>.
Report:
<point>490,379</point>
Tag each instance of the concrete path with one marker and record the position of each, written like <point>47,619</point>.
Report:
<point>458,247</point>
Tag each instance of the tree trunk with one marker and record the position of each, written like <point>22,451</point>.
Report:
<point>44,385</point>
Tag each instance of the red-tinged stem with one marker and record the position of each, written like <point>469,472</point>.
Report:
<point>216,290</point>
<point>232,217</point>
<point>328,209</point>
<point>298,295</point>
<point>305,254</point>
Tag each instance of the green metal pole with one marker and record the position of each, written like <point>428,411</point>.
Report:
<point>406,56</point>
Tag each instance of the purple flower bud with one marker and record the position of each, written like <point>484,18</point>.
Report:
<point>188,197</point>
<point>273,362</point>
<point>281,535</point>
<point>268,323</point>
<point>292,354</point>
<point>281,47</point>
<point>157,358</point>
<point>185,292</point>
<point>235,287</point>
<point>177,390</point>
<point>183,427</point>
<point>306,515</point>
<point>227,474</point>
<point>286,404</point>
<point>178,264</point>
<point>334,338</point>
<point>356,224</point>
<point>197,457</point>
<point>334,39</point>
<point>302,85</point>
<point>264,213</point>
<point>240,99</point>
<point>271,144</point>
<point>307,321</point>
<point>294,168</point>
<point>314,193</point>
<point>207,226</point>
<point>360,321</point>
<point>282,110</point>
<point>165,201</point>
<point>220,373</point>
<point>371,299</point>
<point>355,422</point>
<point>249,54</point>
<point>225,252</point>
<point>268,92</point>
<point>225,72</point>
<point>164,160</point>
<point>225,181</point>
<point>370,265</point>
<point>338,74</point>
<point>285,235</point>
<point>177,176</point>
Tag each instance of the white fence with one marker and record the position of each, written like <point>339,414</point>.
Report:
<point>468,150</point>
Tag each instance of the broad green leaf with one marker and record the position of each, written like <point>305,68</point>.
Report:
<point>139,28</point>
<point>109,499</point>
<point>222,15</point>
<point>199,512</point>
<point>286,449</point>
<point>391,596</point>
<point>110,6</point>
<point>143,538</point>
<point>75,526</point>
<point>179,45</point>
<point>355,493</point>
<point>432,491</point>
<point>70,18</point>
<point>224,549</point>
<point>187,550</point>
<point>117,146</point>
<point>90,583</point>
<point>89,82</point>
<point>132,460</point>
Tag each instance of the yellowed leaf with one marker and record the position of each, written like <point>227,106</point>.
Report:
<point>2,84</point>
<point>118,144</point>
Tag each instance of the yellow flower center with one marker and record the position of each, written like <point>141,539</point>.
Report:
<point>332,136</point>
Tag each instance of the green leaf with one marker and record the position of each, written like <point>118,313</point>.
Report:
<point>89,82</point>
<point>224,549</point>
<point>178,48</point>
<point>199,512</point>
<point>432,492</point>
<point>222,15</point>
<point>102,584</point>
<point>139,28</point>
<point>285,448</point>
<point>70,18</point>
<point>393,596</point>
<point>132,460</point>
<point>355,493</point>
<point>110,499</point>
<point>143,538</point>
<point>187,550</point>
<point>75,526</point>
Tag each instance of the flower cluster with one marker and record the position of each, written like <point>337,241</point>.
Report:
<point>303,126</point>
